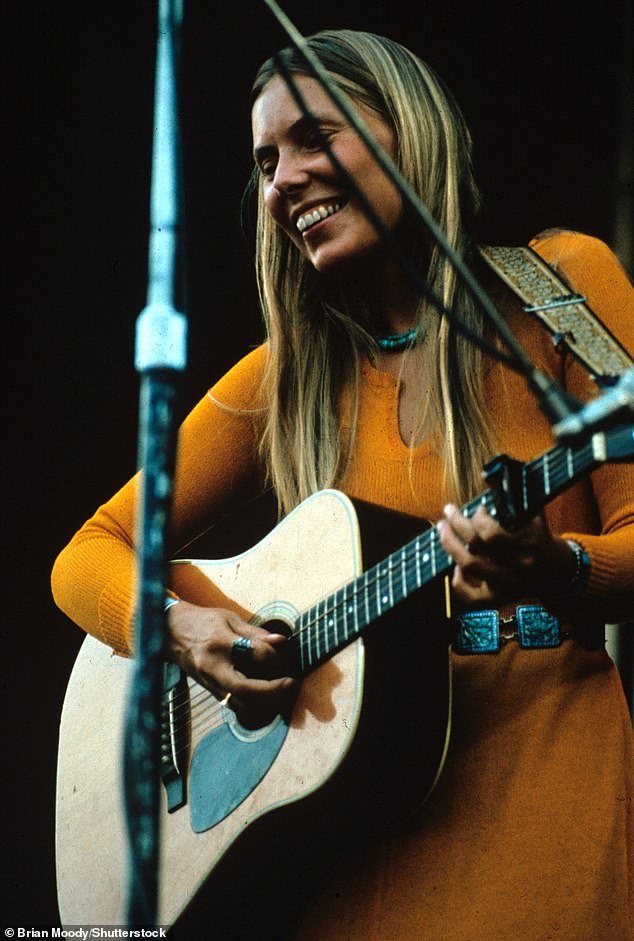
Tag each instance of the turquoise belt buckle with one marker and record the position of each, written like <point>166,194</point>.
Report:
<point>536,627</point>
<point>479,632</point>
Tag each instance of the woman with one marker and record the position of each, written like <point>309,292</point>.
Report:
<point>360,385</point>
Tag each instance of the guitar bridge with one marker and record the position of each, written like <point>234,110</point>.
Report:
<point>175,736</point>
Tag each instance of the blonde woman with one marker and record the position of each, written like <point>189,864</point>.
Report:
<point>362,386</point>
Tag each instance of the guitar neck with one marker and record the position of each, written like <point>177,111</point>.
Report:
<point>341,617</point>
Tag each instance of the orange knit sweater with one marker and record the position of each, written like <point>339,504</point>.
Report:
<point>528,835</point>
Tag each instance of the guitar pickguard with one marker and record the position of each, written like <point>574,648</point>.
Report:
<point>216,787</point>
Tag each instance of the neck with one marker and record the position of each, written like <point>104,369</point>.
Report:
<point>390,302</point>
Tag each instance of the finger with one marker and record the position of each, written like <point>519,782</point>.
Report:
<point>472,570</point>
<point>471,532</point>
<point>486,528</point>
<point>247,682</point>
<point>259,635</point>
<point>241,646</point>
<point>261,659</point>
<point>461,525</point>
<point>453,543</point>
<point>255,710</point>
<point>469,592</point>
<point>257,702</point>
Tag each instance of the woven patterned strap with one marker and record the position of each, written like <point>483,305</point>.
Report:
<point>566,315</point>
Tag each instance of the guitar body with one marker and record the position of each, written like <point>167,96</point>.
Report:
<point>362,746</point>
<point>262,816</point>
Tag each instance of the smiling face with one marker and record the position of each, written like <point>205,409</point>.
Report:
<point>303,192</point>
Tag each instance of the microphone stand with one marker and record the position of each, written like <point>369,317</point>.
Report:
<point>160,356</point>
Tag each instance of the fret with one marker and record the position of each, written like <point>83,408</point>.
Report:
<point>525,503</point>
<point>390,584</point>
<point>404,585</point>
<point>330,629</point>
<point>303,636</point>
<point>427,558</point>
<point>377,592</point>
<point>381,596</point>
<point>344,614</point>
<point>534,485</point>
<point>559,475</point>
<point>339,606</point>
<point>355,612</point>
<point>367,600</point>
<point>417,555</point>
<point>344,607</point>
<point>316,633</point>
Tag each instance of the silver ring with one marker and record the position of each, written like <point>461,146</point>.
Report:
<point>241,647</point>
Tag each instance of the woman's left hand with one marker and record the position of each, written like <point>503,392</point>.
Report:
<point>494,566</point>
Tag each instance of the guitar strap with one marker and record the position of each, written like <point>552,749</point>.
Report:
<point>571,322</point>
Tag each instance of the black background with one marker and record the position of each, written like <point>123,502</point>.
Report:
<point>540,85</point>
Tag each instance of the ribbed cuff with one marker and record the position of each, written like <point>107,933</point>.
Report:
<point>115,618</point>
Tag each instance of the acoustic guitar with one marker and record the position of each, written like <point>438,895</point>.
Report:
<point>253,819</point>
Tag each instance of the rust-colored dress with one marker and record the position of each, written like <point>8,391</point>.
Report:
<point>528,835</point>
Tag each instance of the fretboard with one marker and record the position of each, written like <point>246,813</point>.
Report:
<point>341,617</point>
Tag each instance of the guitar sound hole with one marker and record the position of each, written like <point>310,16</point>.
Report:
<point>278,626</point>
<point>287,661</point>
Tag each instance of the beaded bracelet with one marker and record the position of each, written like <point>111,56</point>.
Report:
<point>582,568</point>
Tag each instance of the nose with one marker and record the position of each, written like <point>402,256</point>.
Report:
<point>291,172</point>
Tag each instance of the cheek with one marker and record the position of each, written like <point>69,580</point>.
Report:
<point>275,207</point>
<point>271,201</point>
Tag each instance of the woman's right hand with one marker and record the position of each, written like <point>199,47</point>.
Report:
<point>252,678</point>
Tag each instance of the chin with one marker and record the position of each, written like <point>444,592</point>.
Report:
<point>347,261</point>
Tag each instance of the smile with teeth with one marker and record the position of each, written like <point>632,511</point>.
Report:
<point>315,215</point>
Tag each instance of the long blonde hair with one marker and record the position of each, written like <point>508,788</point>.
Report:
<point>315,341</point>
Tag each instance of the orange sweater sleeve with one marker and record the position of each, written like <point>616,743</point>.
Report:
<point>217,468</point>
<point>590,268</point>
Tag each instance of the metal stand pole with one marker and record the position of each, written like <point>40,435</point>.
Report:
<point>160,357</point>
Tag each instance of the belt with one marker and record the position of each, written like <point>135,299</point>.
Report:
<point>532,626</point>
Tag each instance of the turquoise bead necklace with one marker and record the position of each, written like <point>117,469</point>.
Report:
<point>395,342</point>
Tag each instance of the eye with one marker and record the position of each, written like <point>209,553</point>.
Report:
<point>315,138</point>
<point>266,165</point>
<point>267,169</point>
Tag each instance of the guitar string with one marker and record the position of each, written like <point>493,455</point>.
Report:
<point>557,468</point>
<point>185,725</point>
<point>370,583</point>
<point>207,713</point>
<point>554,466</point>
<point>184,702</point>
<point>363,585</point>
<point>215,712</point>
<point>557,463</point>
